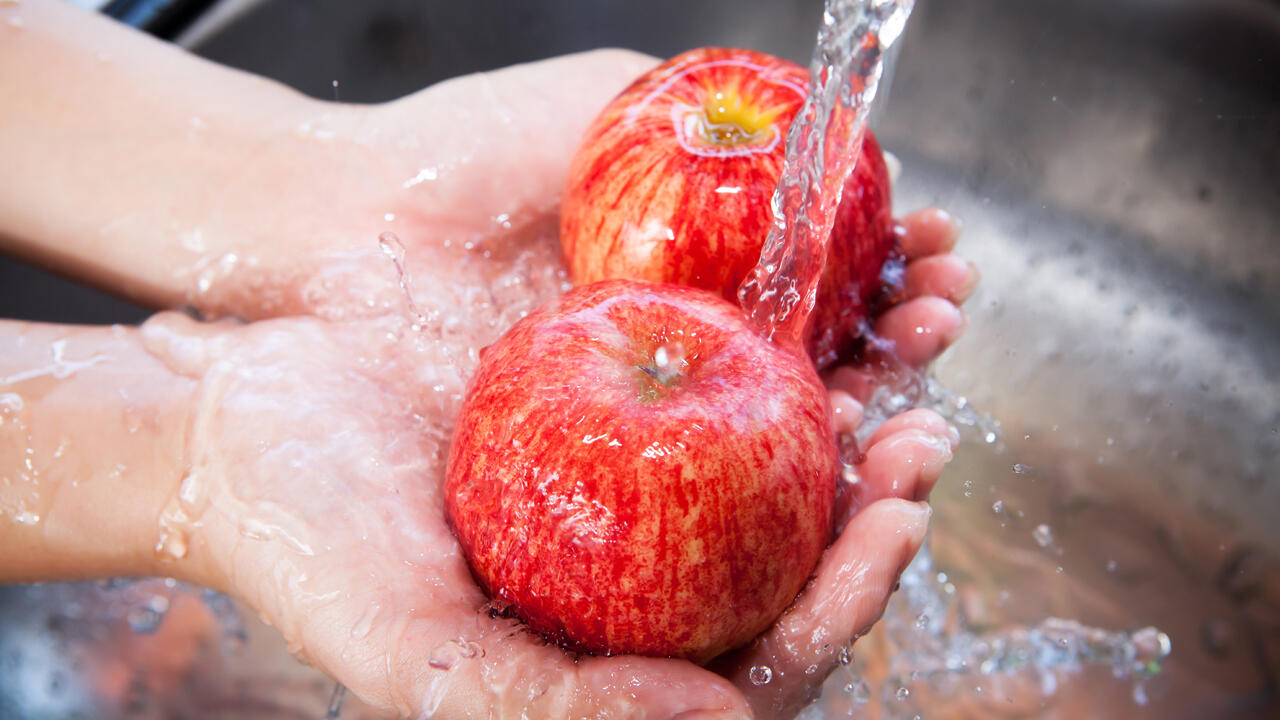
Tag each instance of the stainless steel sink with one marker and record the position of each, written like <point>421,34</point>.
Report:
<point>1117,164</point>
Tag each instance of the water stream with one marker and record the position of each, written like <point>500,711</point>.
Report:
<point>823,144</point>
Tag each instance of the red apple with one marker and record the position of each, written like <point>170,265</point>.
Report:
<point>672,183</point>
<point>635,470</point>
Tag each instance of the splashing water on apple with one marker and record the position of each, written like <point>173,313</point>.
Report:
<point>673,180</point>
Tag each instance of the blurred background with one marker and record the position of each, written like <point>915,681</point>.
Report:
<point>1117,165</point>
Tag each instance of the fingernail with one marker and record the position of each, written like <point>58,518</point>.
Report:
<point>957,225</point>
<point>955,333</point>
<point>920,509</point>
<point>970,284</point>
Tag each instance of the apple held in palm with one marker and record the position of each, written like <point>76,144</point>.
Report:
<point>636,470</point>
<point>673,182</point>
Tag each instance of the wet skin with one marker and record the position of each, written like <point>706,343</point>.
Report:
<point>292,454</point>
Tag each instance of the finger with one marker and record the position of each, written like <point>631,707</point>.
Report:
<point>850,589</point>
<point>856,382</point>
<point>929,232</point>
<point>846,412</point>
<point>903,465</point>
<point>919,330</point>
<point>947,276</point>
<point>919,419</point>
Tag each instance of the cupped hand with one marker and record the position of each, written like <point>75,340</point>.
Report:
<point>318,443</point>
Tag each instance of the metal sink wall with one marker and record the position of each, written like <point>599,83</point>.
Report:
<point>1118,168</point>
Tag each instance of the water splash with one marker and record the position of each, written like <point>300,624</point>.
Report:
<point>934,647</point>
<point>823,145</point>
<point>903,388</point>
<point>394,250</point>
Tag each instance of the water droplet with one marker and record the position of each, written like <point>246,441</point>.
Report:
<point>146,619</point>
<point>1043,535</point>
<point>849,474</point>
<point>843,655</point>
<point>922,622</point>
<point>902,694</point>
<point>968,488</point>
<point>26,517</point>
<point>861,692</point>
<point>997,507</point>
<point>990,437</point>
<point>172,542</point>
<point>812,669</point>
<point>760,674</point>
<point>1020,469</point>
<point>1140,694</point>
<point>444,656</point>
<point>1151,645</point>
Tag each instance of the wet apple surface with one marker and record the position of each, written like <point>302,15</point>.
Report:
<point>636,470</point>
<point>672,183</point>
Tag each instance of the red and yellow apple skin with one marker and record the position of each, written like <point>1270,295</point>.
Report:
<point>673,182</point>
<point>635,470</point>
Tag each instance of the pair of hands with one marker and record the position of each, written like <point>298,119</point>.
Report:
<point>326,423</point>
<point>309,460</point>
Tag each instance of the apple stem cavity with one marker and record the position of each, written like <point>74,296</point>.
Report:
<point>666,367</point>
<point>727,119</point>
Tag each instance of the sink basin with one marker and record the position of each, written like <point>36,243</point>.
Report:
<point>1117,164</point>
